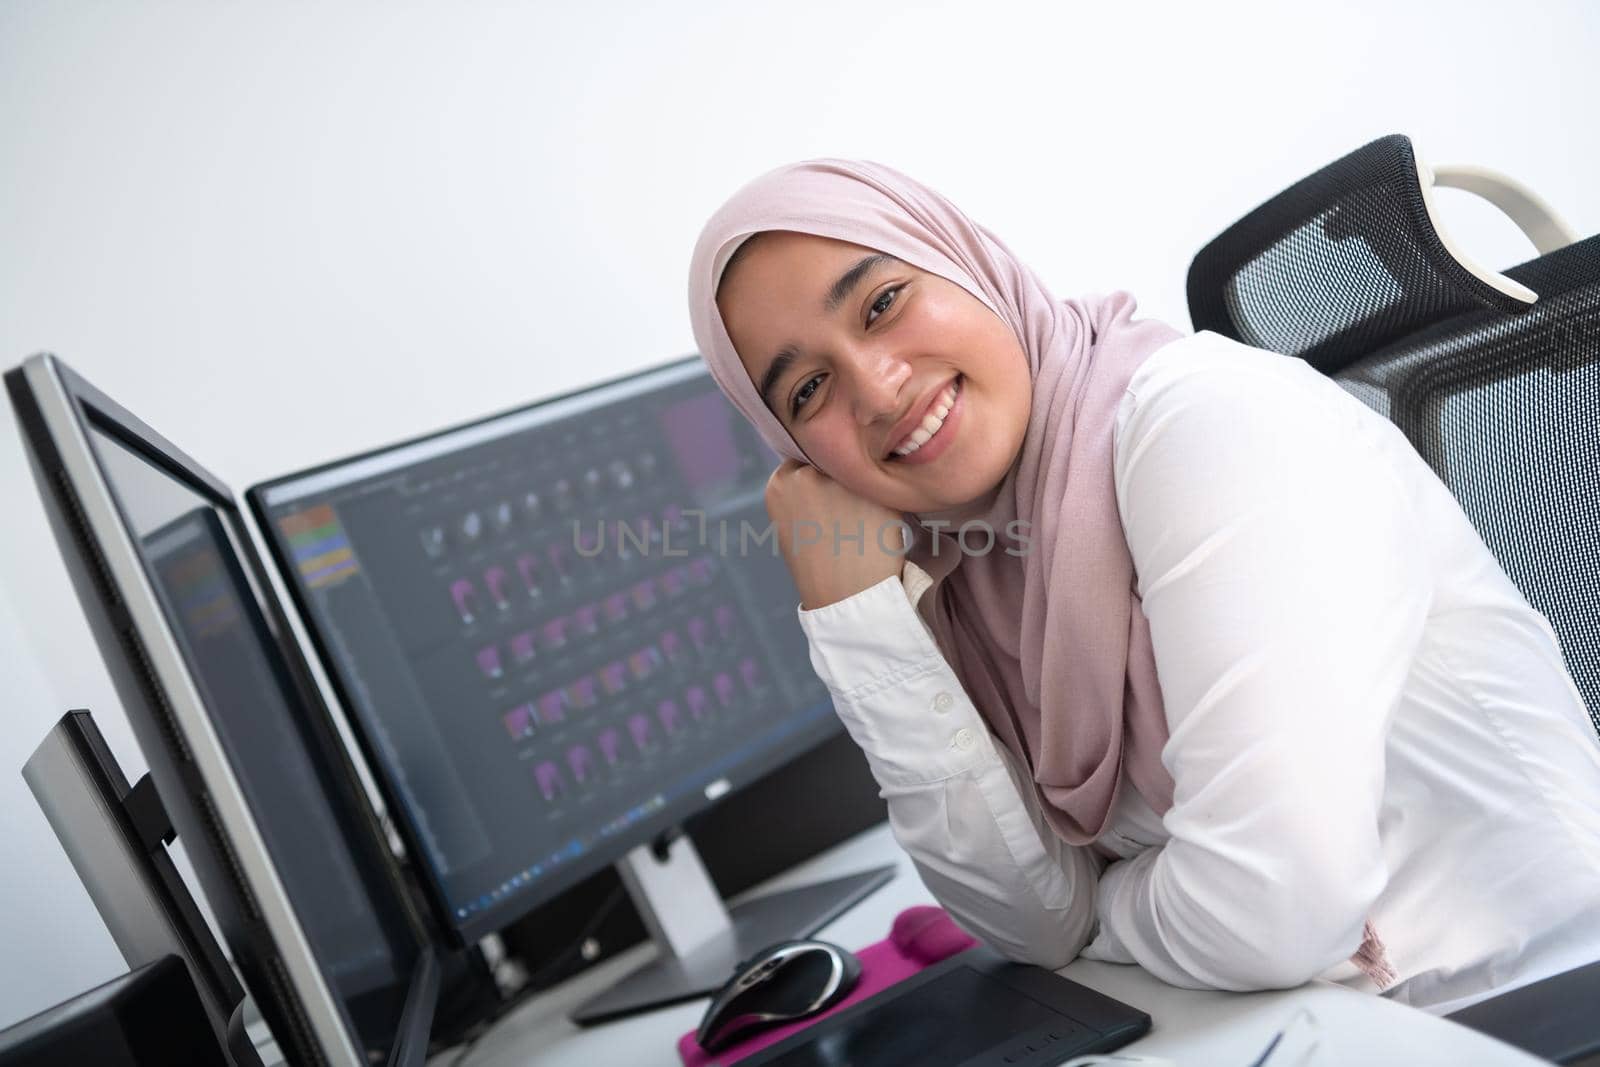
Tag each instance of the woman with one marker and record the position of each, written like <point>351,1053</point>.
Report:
<point>1235,692</point>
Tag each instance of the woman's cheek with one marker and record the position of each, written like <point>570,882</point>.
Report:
<point>827,445</point>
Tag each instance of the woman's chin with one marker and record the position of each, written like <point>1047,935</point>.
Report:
<point>958,507</point>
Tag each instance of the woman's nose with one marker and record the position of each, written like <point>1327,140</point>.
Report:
<point>880,380</point>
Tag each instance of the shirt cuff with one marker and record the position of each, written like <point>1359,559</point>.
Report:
<point>1106,945</point>
<point>862,640</point>
<point>894,691</point>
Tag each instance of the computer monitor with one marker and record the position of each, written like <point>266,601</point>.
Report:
<point>259,789</point>
<point>559,632</point>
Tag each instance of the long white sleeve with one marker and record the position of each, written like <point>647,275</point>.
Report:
<point>1280,568</point>
<point>954,798</point>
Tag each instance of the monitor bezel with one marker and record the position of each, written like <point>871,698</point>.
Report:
<point>56,408</point>
<point>336,693</point>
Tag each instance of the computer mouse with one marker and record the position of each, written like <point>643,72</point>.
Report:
<point>782,982</point>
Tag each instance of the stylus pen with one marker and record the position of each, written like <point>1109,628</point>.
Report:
<point>1261,1060</point>
<point>1292,1045</point>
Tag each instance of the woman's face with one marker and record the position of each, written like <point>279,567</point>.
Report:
<point>858,354</point>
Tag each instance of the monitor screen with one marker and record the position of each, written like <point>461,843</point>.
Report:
<point>349,915</point>
<point>560,630</point>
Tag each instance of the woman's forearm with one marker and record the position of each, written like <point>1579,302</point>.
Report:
<point>956,804</point>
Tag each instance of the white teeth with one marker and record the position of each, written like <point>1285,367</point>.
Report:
<point>930,422</point>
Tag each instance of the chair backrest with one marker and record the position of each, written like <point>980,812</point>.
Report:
<point>1346,270</point>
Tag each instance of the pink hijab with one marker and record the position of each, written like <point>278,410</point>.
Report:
<point>1051,646</point>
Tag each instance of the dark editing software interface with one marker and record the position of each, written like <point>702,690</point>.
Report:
<point>562,629</point>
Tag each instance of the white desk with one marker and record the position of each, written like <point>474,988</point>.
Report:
<point>1193,1028</point>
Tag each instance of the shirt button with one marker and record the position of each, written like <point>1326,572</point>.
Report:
<point>943,702</point>
<point>963,739</point>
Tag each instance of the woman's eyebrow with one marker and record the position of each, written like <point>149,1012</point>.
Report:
<point>775,370</point>
<point>851,278</point>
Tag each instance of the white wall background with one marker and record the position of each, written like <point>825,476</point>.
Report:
<point>284,232</point>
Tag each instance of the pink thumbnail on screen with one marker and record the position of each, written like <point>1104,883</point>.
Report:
<point>750,673</point>
<point>557,555</point>
<point>528,568</point>
<point>724,687</point>
<point>494,579</point>
<point>581,694</point>
<point>700,570</point>
<point>555,632</point>
<point>639,728</point>
<point>552,707</point>
<point>466,599</point>
<point>616,607</point>
<point>613,678</point>
<point>548,776</point>
<point>519,722</point>
<point>581,763</point>
<point>522,646</point>
<point>700,431</point>
<point>644,594</point>
<point>696,699</point>
<point>587,619</point>
<point>671,582</point>
<point>645,662</point>
<point>489,661</point>
<point>699,634</point>
<point>725,620</point>
<point>672,645</point>
<point>671,718</point>
<point>610,742</point>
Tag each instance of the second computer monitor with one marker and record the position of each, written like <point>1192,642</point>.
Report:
<point>256,784</point>
<point>560,630</point>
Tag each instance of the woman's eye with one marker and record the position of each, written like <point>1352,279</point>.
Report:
<point>883,303</point>
<point>804,393</point>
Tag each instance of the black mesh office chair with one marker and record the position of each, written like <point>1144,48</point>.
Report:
<point>1495,378</point>
<point>1348,270</point>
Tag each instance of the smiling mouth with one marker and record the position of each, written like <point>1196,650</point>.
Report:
<point>931,423</point>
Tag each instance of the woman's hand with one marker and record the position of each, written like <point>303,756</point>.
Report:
<point>835,543</point>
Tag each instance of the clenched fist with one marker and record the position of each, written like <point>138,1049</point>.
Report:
<point>835,543</point>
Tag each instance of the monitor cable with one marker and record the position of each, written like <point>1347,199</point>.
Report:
<point>545,976</point>
<point>552,970</point>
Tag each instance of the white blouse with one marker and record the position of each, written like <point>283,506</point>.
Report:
<point>1367,719</point>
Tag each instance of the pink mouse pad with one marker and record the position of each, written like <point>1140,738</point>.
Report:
<point>920,937</point>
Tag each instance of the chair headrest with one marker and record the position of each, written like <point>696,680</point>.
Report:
<point>1340,264</point>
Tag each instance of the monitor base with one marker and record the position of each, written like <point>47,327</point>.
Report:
<point>781,916</point>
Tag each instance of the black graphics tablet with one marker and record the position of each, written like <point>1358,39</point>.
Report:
<point>974,1009</point>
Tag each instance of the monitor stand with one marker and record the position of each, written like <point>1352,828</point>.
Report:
<point>116,836</point>
<point>700,939</point>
